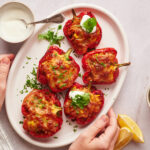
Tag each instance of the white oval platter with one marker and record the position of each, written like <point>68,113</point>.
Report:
<point>112,36</point>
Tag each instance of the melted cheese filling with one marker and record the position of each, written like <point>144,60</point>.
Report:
<point>102,66</point>
<point>59,72</point>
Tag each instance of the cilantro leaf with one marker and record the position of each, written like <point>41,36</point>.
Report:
<point>89,24</point>
<point>51,36</point>
<point>80,75</point>
<point>81,100</point>
<point>59,27</point>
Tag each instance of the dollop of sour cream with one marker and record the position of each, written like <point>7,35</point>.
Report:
<point>72,94</point>
<point>85,18</point>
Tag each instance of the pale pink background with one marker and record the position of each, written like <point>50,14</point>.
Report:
<point>135,18</point>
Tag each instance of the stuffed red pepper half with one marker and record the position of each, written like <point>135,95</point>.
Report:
<point>42,112</point>
<point>83,103</point>
<point>83,32</point>
<point>57,69</point>
<point>101,66</point>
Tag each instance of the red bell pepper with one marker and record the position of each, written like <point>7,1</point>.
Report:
<point>42,112</point>
<point>88,112</point>
<point>57,69</point>
<point>101,66</point>
<point>81,40</point>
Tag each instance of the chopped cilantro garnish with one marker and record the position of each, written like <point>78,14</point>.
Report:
<point>79,75</point>
<point>70,74</point>
<point>35,97</point>
<point>89,24</point>
<point>56,125</point>
<point>40,100</point>
<point>20,122</point>
<point>26,91</point>
<point>58,81</point>
<point>81,100</point>
<point>51,36</point>
<point>74,130</point>
<point>21,92</point>
<point>76,126</point>
<point>62,67</point>
<point>33,71</point>
<point>59,27</point>
<point>32,102</point>
<point>31,82</point>
<point>54,67</point>
<point>28,57</point>
<point>60,75</point>
<point>58,114</point>
<point>25,87</point>
<point>42,106</point>
<point>63,85</point>
<point>77,111</point>
<point>104,65</point>
<point>47,93</point>
<point>55,137</point>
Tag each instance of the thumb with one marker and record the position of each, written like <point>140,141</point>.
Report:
<point>4,69</point>
<point>97,126</point>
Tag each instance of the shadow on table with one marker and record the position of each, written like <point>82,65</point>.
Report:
<point>6,47</point>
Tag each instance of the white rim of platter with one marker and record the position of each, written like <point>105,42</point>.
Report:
<point>113,35</point>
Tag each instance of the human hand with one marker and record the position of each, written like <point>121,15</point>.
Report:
<point>5,62</point>
<point>107,126</point>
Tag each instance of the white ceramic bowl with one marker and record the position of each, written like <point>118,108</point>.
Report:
<point>12,29</point>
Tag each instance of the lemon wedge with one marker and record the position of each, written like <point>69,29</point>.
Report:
<point>125,121</point>
<point>125,136</point>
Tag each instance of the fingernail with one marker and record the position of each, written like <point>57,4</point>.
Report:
<point>105,118</point>
<point>5,61</point>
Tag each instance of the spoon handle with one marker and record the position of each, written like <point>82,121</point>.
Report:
<point>59,18</point>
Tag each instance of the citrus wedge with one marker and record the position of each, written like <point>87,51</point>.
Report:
<point>125,121</point>
<point>125,136</point>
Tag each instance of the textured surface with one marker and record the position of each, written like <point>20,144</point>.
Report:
<point>134,16</point>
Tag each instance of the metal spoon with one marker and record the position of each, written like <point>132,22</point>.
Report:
<point>59,18</point>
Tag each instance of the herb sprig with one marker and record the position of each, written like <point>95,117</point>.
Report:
<point>89,24</point>
<point>31,82</point>
<point>81,100</point>
<point>51,36</point>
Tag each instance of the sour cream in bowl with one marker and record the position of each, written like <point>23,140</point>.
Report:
<point>12,28</point>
